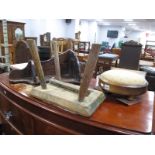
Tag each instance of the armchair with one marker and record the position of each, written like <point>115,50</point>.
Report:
<point>105,47</point>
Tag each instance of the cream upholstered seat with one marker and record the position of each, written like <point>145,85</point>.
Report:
<point>123,78</point>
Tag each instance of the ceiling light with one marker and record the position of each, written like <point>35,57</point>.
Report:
<point>131,24</point>
<point>106,24</point>
<point>128,20</point>
<point>99,20</point>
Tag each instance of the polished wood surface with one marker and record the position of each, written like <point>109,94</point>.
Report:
<point>136,117</point>
<point>32,116</point>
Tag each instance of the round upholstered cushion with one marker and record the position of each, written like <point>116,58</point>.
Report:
<point>123,78</point>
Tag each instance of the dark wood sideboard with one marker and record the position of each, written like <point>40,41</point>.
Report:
<point>23,114</point>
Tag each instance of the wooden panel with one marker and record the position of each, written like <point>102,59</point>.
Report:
<point>23,121</point>
<point>24,125</point>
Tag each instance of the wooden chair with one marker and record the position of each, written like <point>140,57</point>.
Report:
<point>63,44</point>
<point>84,47</point>
<point>130,55</point>
<point>34,38</point>
<point>22,52</point>
<point>45,39</point>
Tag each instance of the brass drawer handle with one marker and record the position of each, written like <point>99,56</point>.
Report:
<point>4,92</point>
<point>8,115</point>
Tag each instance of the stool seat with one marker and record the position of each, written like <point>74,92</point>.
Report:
<point>104,62</point>
<point>108,56</point>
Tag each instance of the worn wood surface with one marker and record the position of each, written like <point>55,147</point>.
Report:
<point>54,45</point>
<point>89,70</point>
<point>36,59</point>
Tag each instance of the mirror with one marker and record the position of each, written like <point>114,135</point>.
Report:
<point>19,34</point>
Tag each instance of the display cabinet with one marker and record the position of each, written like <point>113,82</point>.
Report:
<point>15,32</point>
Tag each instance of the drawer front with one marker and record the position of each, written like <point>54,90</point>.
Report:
<point>44,127</point>
<point>25,121</point>
<point>8,129</point>
<point>18,118</point>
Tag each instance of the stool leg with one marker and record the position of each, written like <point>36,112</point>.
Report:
<point>116,63</point>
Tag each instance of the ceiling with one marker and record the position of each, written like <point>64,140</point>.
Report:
<point>128,24</point>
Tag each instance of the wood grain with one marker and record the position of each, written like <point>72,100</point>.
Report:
<point>54,46</point>
<point>36,59</point>
<point>89,70</point>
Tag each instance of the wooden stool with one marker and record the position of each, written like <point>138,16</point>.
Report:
<point>105,62</point>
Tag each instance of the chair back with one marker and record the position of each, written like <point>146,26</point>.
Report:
<point>22,52</point>
<point>130,55</point>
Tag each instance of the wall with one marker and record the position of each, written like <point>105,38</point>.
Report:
<point>70,29</point>
<point>84,27</point>
<point>102,31</point>
<point>141,36</point>
<point>57,27</point>
<point>134,35</point>
<point>90,31</point>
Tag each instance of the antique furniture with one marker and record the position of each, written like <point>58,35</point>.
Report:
<point>61,43</point>
<point>130,55</point>
<point>149,51</point>
<point>64,44</point>
<point>83,47</point>
<point>123,82</point>
<point>22,52</point>
<point>70,69</point>
<point>77,99</point>
<point>23,114</point>
<point>45,39</point>
<point>75,45</point>
<point>150,76</point>
<point>44,52</point>
<point>116,51</point>
<point>105,62</point>
<point>77,35</point>
<point>105,48</point>
<point>34,38</point>
<point>15,30</point>
<point>82,57</point>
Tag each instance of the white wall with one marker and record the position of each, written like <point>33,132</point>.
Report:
<point>84,27</point>
<point>89,31</point>
<point>92,35</point>
<point>140,36</point>
<point>57,27</point>
<point>70,29</point>
<point>102,34</point>
<point>134,35</point>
